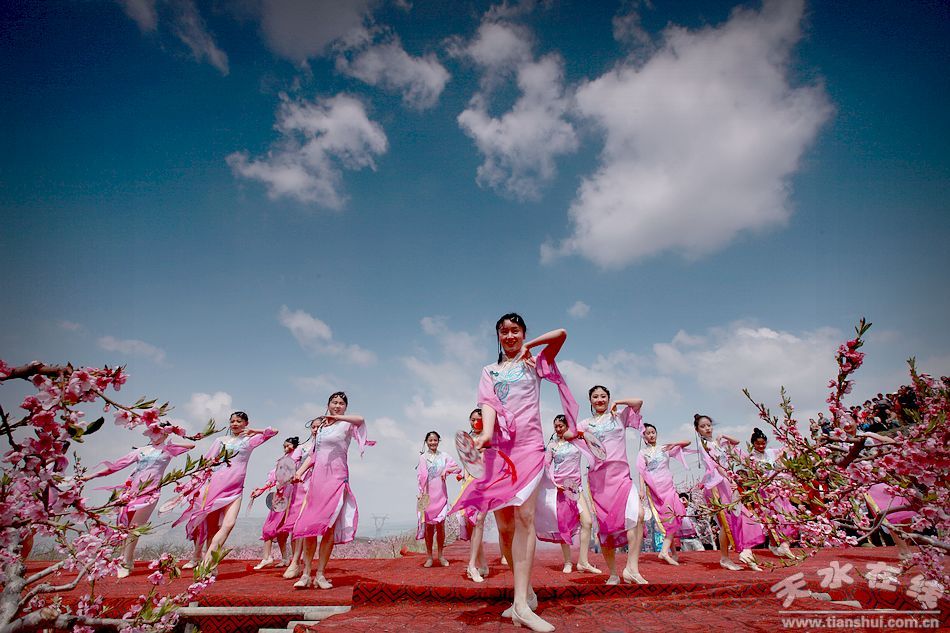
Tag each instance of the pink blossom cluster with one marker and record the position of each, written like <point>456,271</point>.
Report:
<point>827,478</point>
<point>39,498</point>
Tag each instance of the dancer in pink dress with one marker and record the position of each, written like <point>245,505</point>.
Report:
<point>736,525</point>
<point>275,518</point>
<point>471,521</point>
<point>617,501</point>
<point>769,459</point>
<point>563,462</point>
<point>434,466</point>
<point>300,488</point>
<point>656,484</point>
<point>144,481</point>
<point>509,396</point>
<point>211,516</point>
<point>329,509</point>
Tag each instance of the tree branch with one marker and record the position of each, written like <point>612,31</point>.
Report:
<point>24,372</point>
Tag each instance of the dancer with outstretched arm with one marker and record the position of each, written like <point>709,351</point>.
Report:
<point>657,487</point>
<point>509,397</point>
<point>434,466</point>
<point>329,512</point>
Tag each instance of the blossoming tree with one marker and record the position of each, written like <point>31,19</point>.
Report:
<point>828,474</point>
<point>41,497</point>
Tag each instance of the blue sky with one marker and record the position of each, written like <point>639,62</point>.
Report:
<point>252,204</point>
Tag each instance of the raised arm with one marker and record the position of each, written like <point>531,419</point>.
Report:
<point>355,420</point>
<point>554,340</point>
<point>633,403</point>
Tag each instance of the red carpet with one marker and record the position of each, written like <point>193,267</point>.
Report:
<point>399,594</point>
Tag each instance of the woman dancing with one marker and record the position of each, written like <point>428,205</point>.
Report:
<point>617,501</point>
<point>212,514</point>
<point>434,466</point>
<point>509,396</point>
<point>300,488</point>
<point>656,485</point>
<point>269,531</point>
<point>329,508</point>
<point>471,521</point>
<point>563,462</point>
<point>735,524</point>
<point>144,482</point>
<point>780,536</point>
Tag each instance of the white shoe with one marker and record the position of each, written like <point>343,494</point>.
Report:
<point>531,620</point>
<point>266,562</point>
<point>588,568</point>
<point>483,571</point>
<point>532,604</point>
<point>725,563</point>
<point>292,572</point>
<point>190,564</point>
<point>631,578</point>
<point>443,561</point>
<point>122,572</point>
<point>747,558</point>
<point>568,568</point>
<point>666,557</point>
<point>613,580</point>
<point>473,574</point>
<point>303,583</point>
<point>322,582</point>
<point>785,550</point>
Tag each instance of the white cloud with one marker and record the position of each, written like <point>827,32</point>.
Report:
<point>447,381</point>
<point>191,30</point>
<point>186,24</point>
<point>627,27</point>
<point>627,375</point>
<point>302,29</point>
<point>143,12</point>
<point>758,358</point>
<point>324,383</point>
<point>579,310</point>
<point>701,140</point>
<point>204,406</point>
<point>420,79</point>
<point>315,336</point>
<point>132,347</point>
<point>318,138</point>
<point>70,325</point>
<point>519,147</point>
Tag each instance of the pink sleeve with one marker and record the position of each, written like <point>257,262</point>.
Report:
<point>422,474</point>
<point>175,449</point>
<point>632,419</point>
<point>451,466</point>
<point>123,462</point>
<point>213,451</point>
<point>271,477</point>
<point>679,452</point>
<point>359,432</point>
<point>547,369</point>
<point>641,463</point>
<point>260,438</point>
<point>488,397</point>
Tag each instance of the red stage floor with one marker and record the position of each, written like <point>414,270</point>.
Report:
<point>400,595</point>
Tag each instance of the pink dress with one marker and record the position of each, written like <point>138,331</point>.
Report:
<point>225,485</point>
<point>467,517</point>
<point>563,462</point>
<point>768,460</point>
<point>145,479</point>
<point>513,391</point>
<point>329,503</point>
<point>742,529</point>
<point>616,499</point>
<point>300,491</point>
<point>664,501</point>
<point>431,472</point>
<point>274,520</point>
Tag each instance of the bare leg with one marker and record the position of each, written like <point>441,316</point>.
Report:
<point>227,524</point>
<point>583,555</point>
<point>440,542</point>
<point>282,545</point>
<point>505,519</point>
<point>309,547</point>
<point>610,556</point>
<point>635,539</point>
<point>566,553</point>
<point>522,560</point>
<point>326,549</point>
<point>428,534</point>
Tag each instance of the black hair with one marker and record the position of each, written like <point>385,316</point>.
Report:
<point>757,434</point>
<point>647,424</point>
<point>477,410</point>
<point>560,417</point>
<point>591,391</point>
<point>436,433</point>
<point>342,397</point>
<point>295,441</point>
<point>697,417</point>
<point>239,414</point>
<point>515,318</point>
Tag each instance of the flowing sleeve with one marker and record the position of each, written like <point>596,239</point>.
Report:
<point>123,462</point>
<point>175,449</point>
<point>451,466</point>
<point>271,477</point>
<point>488,397</point>
<point>362,441</point>
<point>642,464</point>
<point>422,474</point>
<point>214,450</point>
<point>547,369</point>
<point>260,438</point>
<point>679,452</point>
<point>632,419</point>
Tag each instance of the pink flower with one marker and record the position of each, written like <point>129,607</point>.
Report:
<point>157,578</point>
